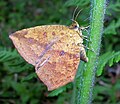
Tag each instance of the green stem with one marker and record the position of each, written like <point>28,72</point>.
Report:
<point>84,84</point>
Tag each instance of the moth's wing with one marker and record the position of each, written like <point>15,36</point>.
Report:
<point>62,57</point>
<point>59,65</point>
<point>31,42</point>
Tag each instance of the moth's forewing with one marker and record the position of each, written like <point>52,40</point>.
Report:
<point>64,53</point>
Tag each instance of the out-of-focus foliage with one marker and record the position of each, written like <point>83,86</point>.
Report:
<point>110,57</point>
<point>18,81</point>
<point>12,60</point>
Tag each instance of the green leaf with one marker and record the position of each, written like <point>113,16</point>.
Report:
<point>12,60</point>
<point>77,2</point>
<point>109,57</point>
<point>21,89</point>
<point>59,90</point>
<point>112,27</point>
<point>29,77</point>
<point>114,5</point>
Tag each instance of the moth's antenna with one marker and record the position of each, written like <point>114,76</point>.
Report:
<point>77,14</point>
<point>86,19</point>
<point>74,13</point>
<point>72,20</point>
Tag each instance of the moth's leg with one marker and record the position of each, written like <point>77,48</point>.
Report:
<point>87,33</point>
<point>83,28</point>
<point>87,40</point>
<point>80,44</point>
<point>84,37</point>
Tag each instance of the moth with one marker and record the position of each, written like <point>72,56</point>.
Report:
<point>54,50</point>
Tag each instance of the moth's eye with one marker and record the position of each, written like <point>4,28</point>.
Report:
<point>75,26</point>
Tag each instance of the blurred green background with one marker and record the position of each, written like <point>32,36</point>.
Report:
<point>18,81</point>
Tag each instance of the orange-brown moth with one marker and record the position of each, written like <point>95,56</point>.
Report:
<point>54,50</point>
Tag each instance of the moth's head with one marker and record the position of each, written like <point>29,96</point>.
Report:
<point>75,26</point>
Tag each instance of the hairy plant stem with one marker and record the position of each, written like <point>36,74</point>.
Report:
<point>86,75</point>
